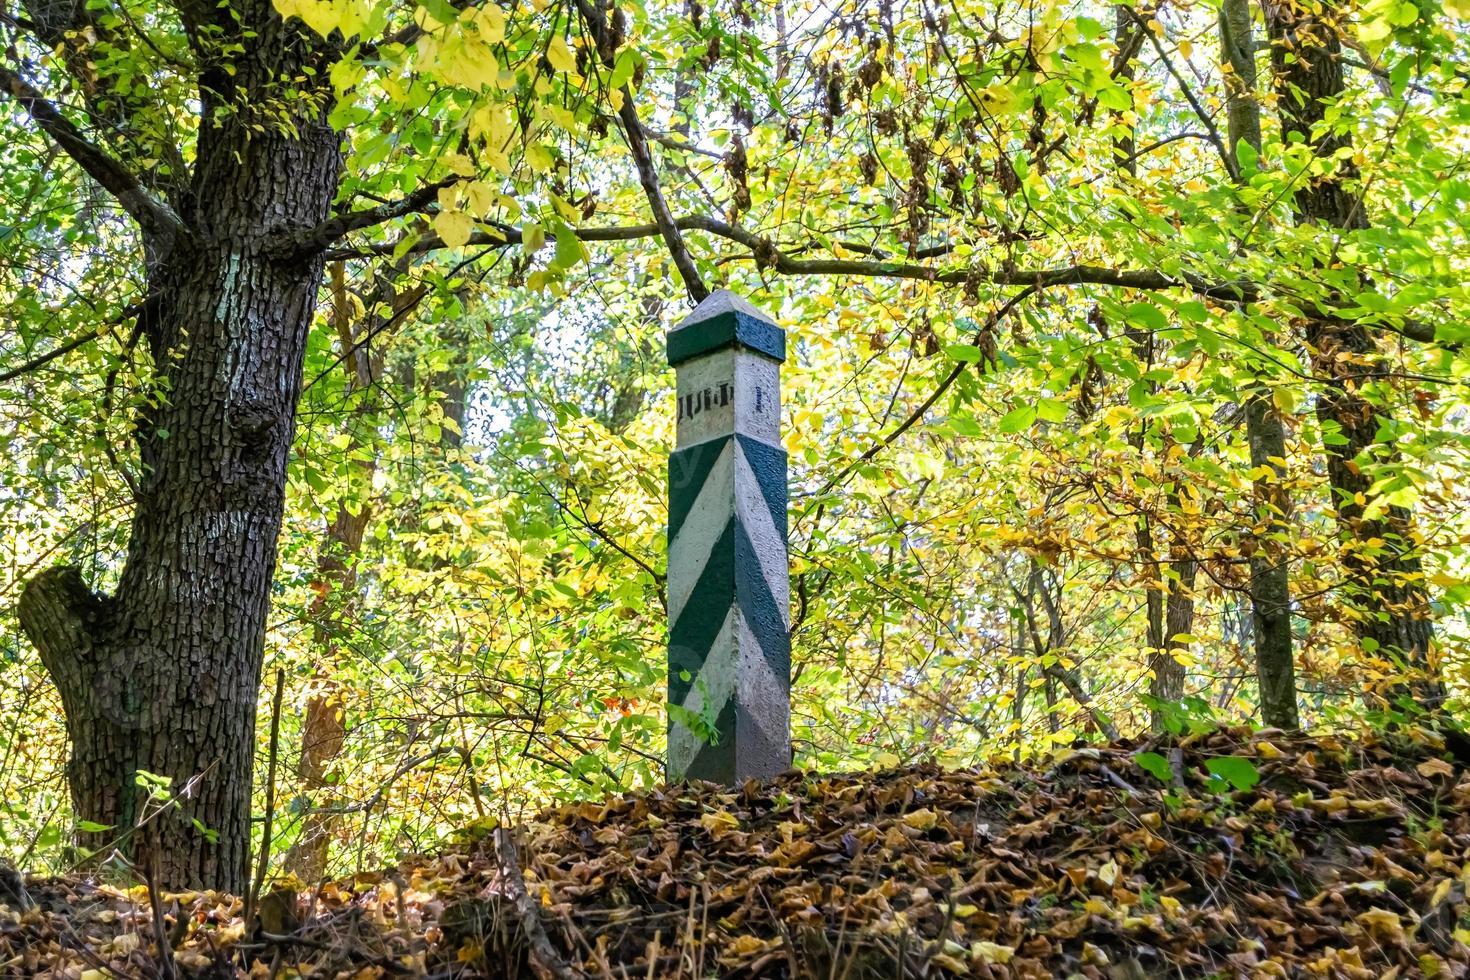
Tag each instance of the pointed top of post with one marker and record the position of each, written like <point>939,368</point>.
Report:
<point>724,319</point>
<point>724,301</point>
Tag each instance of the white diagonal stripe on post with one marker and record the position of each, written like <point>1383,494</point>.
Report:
<point>709,692</point>
<point>689,552</point>
<point>762,690</point>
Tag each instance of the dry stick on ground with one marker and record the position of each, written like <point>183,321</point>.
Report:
<point>167,969</point>
<point>546,962</point>
<point>253,897</point>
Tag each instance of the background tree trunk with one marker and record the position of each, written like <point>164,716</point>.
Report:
<point>323,725</point>
<point>1270,584</point>
<point>1384,590</point>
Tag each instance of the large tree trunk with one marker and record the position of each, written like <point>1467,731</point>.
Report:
<point>162,676</point>
<point>1384,591</point>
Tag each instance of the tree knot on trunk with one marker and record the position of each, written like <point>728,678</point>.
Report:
<point>253,420</point>
<point>62,617</point>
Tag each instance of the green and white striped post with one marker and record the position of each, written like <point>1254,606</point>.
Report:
<point>729,582</point>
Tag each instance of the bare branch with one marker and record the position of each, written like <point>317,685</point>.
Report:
<point>35,363</point>
<point>155,217</point>
<point>634,130</point>
<point>79,341</point>
<point>1226,156</point>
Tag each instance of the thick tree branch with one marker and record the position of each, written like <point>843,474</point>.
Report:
<point>301,244</point>
<point>153,215</point>
<point>768,256</point>
<point>40,361</point>
<point>79,341</point>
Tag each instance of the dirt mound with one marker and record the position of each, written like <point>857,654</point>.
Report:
<point>1228,854</point>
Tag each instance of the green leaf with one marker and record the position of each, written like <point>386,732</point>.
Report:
<point>1155,765</point>
<point>1247,156</point>
<point>92,827</point>
<point>623,68</point>
<point>1052,410</point>
<point>1018,419</point>
<point>1146,315</point>
<point>569,250</point>
<point>441,10</point>
<point>1240,773</point>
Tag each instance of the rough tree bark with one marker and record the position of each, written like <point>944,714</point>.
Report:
<point>1383,593</point>
<point>162,675</point>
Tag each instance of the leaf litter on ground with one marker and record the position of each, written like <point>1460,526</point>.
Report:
<point>1310,857</point>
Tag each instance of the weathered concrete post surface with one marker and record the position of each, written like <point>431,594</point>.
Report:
<point>729,584</point>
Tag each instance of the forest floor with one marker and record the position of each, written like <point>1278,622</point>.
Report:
<point>1226,854</point>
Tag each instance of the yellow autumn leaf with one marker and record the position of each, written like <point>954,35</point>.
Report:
<point>465,62</point>
<point>489,21</point>
<point>459,164</point>
<point>950,963</point>
<point>454,227</point>
<point>921,819</point>
<point>560,55</point>
<point>1434,767</point>
<point>989,952</point>
<point>747,947</point>
<point>321,16</point>
<point>539,158</point>
<point>999,98</point>
<point>789,829</point>
<point>1382,924</point>
<point>719,823</point>
<point>480,196</point>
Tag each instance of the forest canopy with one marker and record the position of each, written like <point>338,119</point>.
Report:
<point>1125,389</point>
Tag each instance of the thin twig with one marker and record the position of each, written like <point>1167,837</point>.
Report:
<point>1226,156</point>
<point>917,414</point>
<point>167,969</point>
<point>635,133</point>
<point>41,361</point>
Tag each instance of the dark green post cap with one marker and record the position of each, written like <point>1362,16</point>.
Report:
<point>725,320</point>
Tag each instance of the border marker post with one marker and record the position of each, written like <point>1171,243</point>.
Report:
<point>729,586</point>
